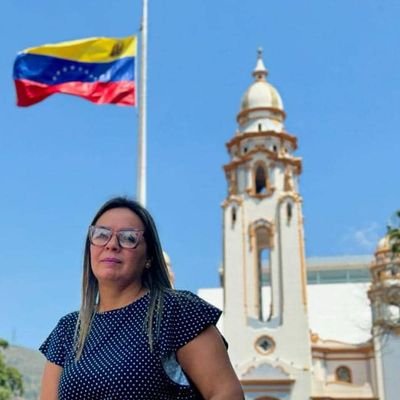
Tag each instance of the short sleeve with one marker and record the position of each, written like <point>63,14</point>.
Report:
<point>58,343</point>
<point>185,316</point>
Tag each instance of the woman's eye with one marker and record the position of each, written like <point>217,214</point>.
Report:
<point>101,234</point>
<point>131,238</point>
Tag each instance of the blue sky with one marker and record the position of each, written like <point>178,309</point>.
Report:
<point>335,63</point>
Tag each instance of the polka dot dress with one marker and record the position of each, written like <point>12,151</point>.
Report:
<point>117,363</point>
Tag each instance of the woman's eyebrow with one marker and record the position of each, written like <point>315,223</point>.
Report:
<point>130,228</point>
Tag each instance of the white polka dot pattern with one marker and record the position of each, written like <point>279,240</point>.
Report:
<point>117,363</point>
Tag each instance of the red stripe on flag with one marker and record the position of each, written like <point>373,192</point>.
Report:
<point>120,92</point>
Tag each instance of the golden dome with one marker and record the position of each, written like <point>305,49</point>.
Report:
<point>261,96</point>
<point>384,245</point>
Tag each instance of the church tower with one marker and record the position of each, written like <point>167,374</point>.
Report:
<point>384,295</point>
<point>264,270</point>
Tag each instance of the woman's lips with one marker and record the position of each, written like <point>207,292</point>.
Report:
<point>111,260</point>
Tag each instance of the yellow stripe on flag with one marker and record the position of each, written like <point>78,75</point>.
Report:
<point>89,50</point>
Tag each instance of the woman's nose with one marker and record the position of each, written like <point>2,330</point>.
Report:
<point>113,242</point>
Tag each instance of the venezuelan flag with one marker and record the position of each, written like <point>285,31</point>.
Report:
<point>101,70</point>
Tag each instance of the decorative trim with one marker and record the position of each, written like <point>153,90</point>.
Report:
<point>231,200</point>
<point>342,398</point>
<point>260,196</point>
<point>267,382</point>
<point>288,184</point>
<point>262,223</point>
<point>257,296</point>
<point>232,181</point>
<point>294,161</point>
<point>333,350</point>
<point>244,269</point>
<point>237,139</point>
<point>293,196</point>
<point>314,337</point>
<point>344,358</point>
<point>266,398</point>
<point>236,163</point>
<point>243,114</point>
<point>302,255</point>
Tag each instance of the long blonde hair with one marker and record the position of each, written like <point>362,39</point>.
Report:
<point>156,278</point>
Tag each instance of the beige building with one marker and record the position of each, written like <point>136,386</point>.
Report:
<point>299,328</point>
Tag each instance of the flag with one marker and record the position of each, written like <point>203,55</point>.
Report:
<point>101,70</point>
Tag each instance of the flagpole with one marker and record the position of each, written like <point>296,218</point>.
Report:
<point>142,139</point>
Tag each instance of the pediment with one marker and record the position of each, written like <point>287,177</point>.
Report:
<point>264,371</point>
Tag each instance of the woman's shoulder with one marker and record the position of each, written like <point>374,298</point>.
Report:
<point>72,316</point>
<point>180,301</point>
<point>68,320</point>
<point>184,316</point>
<point>60,338</point>
<point>179,297</point>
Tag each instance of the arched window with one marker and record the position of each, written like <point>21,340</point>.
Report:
<point>394,269</point>
<point>233,215</point>
<point>393,314</point>
<point>263,259</point>
<point>265,284</point>
<point>289,212</point>
<point>260,180</point>
<point>264,287</point>
<point>343,374</point>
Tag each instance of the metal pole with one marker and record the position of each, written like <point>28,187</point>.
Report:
<point>142,139</point>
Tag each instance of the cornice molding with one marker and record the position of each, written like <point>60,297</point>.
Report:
<point>294,161</point>
<point>248,135</point>
<point>244,113</point>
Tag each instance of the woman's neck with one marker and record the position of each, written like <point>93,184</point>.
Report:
<point>112,297</point>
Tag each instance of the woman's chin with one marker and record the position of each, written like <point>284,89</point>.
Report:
<point>109,276</point>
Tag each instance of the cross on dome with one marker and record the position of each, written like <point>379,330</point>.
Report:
<point>260,72</point>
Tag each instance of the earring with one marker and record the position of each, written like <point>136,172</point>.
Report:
<point>147,264</point>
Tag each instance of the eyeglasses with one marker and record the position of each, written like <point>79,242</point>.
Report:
<point>127,238</point>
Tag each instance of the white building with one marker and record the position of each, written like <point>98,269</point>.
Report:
<point>298,328</point>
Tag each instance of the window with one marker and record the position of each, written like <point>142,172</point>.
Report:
<point>261,180</point>
<point>289,212</point>
<point>312,277</point>
<point>343,374</point>
<point>359,275</point>
<point>394,314</point>
<point>339,276</point>
<point>264,344</point>
<point>264,280</point>
<point>393,269</point>
<point>233,215</point>
<point>265,267</point>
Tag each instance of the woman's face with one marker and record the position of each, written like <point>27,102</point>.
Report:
<point>113,263</point>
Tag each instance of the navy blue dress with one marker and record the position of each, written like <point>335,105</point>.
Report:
<point>117,363</point>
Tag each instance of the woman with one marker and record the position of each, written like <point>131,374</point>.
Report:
<point>134,336</point>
